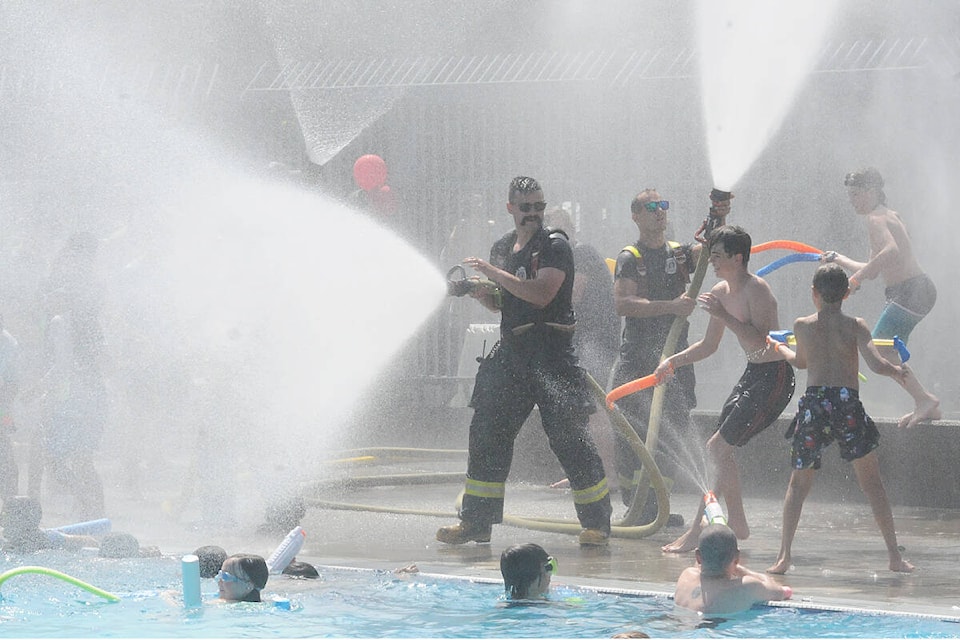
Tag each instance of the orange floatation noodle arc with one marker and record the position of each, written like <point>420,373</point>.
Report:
<point>630,387</point>
<point>789,245</point>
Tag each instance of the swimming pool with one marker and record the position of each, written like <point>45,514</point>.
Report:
<point>367,603</point>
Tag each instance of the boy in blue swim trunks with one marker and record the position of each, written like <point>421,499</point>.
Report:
<point>828,344</point>
<point>910,293</point>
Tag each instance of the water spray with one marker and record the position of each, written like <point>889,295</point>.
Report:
<point>712,509</point>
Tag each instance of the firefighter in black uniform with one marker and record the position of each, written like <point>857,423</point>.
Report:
<point>533,364</point>
<point>650,283</point>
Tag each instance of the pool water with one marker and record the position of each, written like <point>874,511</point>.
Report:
<point>367,603</point>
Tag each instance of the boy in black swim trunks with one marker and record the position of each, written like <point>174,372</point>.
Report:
<point>743,303</point>
<point>828,343</point>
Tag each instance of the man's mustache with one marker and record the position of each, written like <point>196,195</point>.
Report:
<point>531,218</point>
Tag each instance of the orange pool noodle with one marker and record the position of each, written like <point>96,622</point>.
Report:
<point>789,245</point>
<point>631,387</point>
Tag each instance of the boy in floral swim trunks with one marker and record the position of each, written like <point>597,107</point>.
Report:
<point>828,344</point>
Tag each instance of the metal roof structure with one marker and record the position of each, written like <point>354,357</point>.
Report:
<point>618,68</point>
<point>193,83</point>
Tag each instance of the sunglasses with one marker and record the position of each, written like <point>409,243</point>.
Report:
<point>226,576</point>
<point>551,565</point>
<point>653,206</point>
<point>526,207</point>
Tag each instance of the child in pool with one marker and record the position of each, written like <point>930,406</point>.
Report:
<point>719,583</point>
<point>242,577</point>
<point>526,570</point>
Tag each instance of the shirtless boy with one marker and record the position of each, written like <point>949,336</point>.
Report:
<point>909,292</point>
<point>743,303</point>
<point>827,346</point>
<point>719,583</point>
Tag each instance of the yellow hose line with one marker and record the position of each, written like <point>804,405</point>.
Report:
<point>6,575</point>
<point>346,506</point>
<point>670,347</point>
<point>402,479</point>
<point>622,529</point>
<point>628,527</point>
<point>659,392</point>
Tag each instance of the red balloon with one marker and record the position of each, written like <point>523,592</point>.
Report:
<point>370,172</point>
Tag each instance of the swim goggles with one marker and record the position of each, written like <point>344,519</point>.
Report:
<point>550,566</point>
<point>226,576</point>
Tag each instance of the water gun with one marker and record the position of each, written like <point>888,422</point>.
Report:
<point>712,509</point>
<point>286,550</point>
<point>786,337</point>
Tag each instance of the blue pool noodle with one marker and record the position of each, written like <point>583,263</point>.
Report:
<point>88,528</point>
<point>190,567</point>
<point>793,257</point>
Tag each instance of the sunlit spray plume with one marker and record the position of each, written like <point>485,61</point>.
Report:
<point>300,301</point>
<point>754,56</point>
<point>330,124</point>
<point>712,509</point>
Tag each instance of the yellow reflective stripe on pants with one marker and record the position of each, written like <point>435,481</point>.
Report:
<point>482,489</point>
<point>591,494</point>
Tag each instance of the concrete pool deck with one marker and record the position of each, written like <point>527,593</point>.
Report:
<point>838,556</point>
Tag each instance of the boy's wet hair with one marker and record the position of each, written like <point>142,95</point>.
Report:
<point>734,240</point>
<point>831,282</point>
<point>718,547</point>
<point>867,178</point>
<point>211,559</point>
<point>522,185</point>
<point>520,565</point>
<point>252,568</point>
<point>297,569</point>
